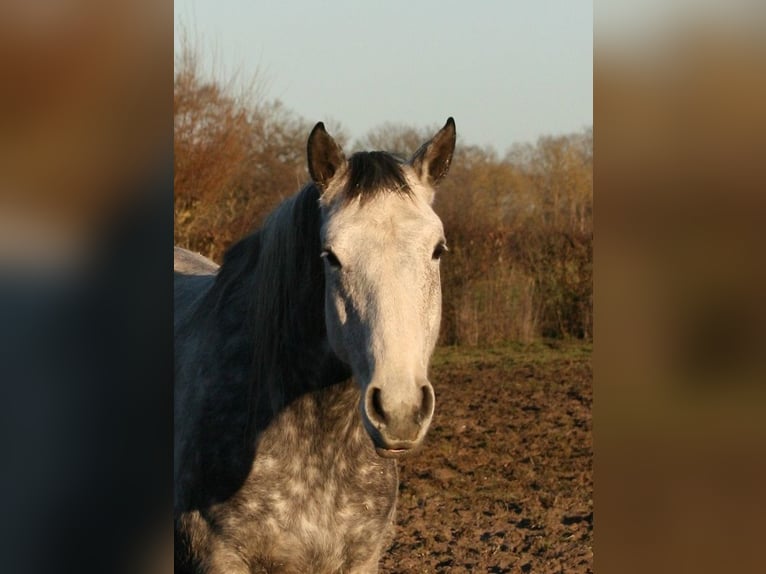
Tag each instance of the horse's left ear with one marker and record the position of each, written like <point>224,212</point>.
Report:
<point>431,162</point>
<point>325,156</point>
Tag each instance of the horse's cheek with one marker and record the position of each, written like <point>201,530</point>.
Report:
<point>335,319</point>
<point>433,309</point>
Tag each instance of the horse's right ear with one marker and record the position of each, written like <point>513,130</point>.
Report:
<point>325,156</point>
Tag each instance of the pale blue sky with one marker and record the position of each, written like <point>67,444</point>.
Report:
<point>509,71</point>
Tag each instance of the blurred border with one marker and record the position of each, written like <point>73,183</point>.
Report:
<point>680,355</point>
<point>85,286</point>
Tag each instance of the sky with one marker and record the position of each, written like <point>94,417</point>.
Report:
<point>508,71</point>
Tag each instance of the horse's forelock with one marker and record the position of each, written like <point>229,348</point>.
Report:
<point>372,173</point>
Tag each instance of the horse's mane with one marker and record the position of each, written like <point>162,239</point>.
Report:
<point>275,279</point>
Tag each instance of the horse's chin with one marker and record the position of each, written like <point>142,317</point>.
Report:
<point>395,453</point>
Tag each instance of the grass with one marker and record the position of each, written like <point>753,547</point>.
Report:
<point>512,354</point>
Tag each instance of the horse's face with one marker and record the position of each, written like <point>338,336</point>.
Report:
<point>383,307</point>
<point>381,253</point>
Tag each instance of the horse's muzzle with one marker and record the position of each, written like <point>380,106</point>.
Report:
<point>397,424</point>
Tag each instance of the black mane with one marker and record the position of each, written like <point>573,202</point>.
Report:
<point>373,172</point>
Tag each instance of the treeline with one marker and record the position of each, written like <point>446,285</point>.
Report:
<point>519,227</point>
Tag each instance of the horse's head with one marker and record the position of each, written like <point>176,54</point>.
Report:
<point>382,243</point>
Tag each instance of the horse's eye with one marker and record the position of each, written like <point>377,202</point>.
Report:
<point>439,251</point>
<point>331,258</point>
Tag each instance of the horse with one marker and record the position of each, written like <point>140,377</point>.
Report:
<point>301,368</point>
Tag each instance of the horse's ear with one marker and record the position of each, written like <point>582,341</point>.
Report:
<point>325,156</point>
<point>431,162</point>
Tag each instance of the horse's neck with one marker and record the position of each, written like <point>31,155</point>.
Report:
<point>257,344</point>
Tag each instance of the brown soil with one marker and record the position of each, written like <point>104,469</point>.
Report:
<point>504,482</point>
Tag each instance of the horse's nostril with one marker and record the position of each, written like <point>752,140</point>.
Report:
<point>426,404</point>
<point>377,406</point>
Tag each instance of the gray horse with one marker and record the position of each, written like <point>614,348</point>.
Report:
<point>301,368</point>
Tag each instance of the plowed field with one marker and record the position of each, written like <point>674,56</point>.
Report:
<point>504,482</point>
